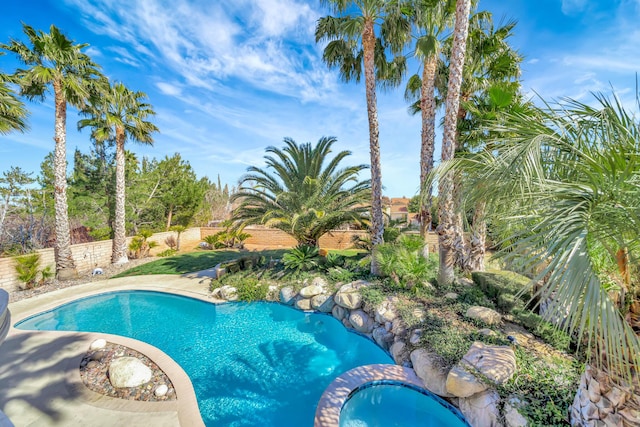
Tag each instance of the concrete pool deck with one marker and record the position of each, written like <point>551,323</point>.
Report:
<point>40,381</point>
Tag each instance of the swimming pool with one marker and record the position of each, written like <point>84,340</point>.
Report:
<point>251,364</point>
<point>391,404</point>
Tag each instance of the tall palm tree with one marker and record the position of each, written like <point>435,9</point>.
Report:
<point>352,46</point>
<point>446,207</point>
<point>12,112</point>
<point>302,191</point>
<point>431,19</point>
<point>561,187</point>
<point>119,114</point>
<point>54,61</point>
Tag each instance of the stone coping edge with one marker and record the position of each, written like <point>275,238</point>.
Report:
<point>343,387</point>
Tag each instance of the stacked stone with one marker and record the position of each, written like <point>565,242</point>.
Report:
<point>600,402</point>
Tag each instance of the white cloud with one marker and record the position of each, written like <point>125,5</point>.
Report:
<point>570,7</point>
<point>168,88</point>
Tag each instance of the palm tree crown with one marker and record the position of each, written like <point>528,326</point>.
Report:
<point>303,192</point>
<point>119,114</point>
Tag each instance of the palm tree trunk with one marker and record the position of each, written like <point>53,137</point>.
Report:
<point>446,211</point>
<point>428,109</point>
<point>169,217</point>
<point>460,246</point>
<point>65,266</point>
<point>478,239</point>
<point>119,249</point>
<point>377,219</point>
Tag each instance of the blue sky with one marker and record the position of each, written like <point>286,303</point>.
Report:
<point>228,78</point>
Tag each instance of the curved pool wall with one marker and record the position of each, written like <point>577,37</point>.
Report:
<point>260,364</point>
<point>397,404</point>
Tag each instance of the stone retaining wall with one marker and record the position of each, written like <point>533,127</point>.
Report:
<point>88,256</point>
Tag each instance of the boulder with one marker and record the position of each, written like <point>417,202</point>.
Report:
<point>429,371</point>
<point>323,303</point>
<point>484,314</point>
<point>382,337</point>
<point>229,293</point>
<point>311,291</point>
<point>482,362</point>
<point>348,296</point>
<point>385,311</point>
<point>361,321</point>
<point>339,312</point>
<point>416,335</point>
<point>481,410</point>
<point>128,372</point>
<point>98,344</point>
<point>272,293</point>
<point>303,304</point>
<point>512,417</point>
<point>319,281</point>
<point>287,295</point>
<point>397,351</point>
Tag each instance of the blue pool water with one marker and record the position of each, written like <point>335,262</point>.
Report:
<point>258,364</point>
<point>393,405</point>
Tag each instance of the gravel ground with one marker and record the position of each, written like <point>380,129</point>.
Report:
<point>94,371</point>
<point>55,284</point>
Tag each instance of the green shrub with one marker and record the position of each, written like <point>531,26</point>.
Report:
<point>474,296</point>
<point>338,274</point>
<point>495,283</point>
<point>542,329</point>
<point>547,387</point>
<point>28,271</point>
<point>372,295</point>
<point>167,252</point>
<point>252,290</point>
<point>301,258</point>
<point>404,263</point>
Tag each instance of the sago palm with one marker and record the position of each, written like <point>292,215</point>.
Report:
<point>562,188</point>
<point>302,191</point>
<point>54,61</point>
<point>119,114</point>
<point>353,48</point>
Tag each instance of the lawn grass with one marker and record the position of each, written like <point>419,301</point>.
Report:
<point>194,261</point>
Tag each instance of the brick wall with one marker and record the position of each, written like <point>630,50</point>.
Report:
<point>88,256</point>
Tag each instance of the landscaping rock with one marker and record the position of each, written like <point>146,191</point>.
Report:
<point>385,311</point>
<point>98,344</point>
<point>161,390</point>
<point>451,296</point>
<point>287,295</point>
<point>382,337</point>
<point>273,293</point>
<point>397,351</point>
<point>339,312</point>
<point>512,417</point>
<point>229,293</point>
<point>320,282</point>
<point>303,304</point>
<point>482,362</point>
<point>430,372</point>
<point>416,335</point>
<point>481,410</point>
<point>361,321</point>
<point>348,296</point>
<point>484,314</point>
<point>311,291</point>
<point>323,303</point>
<point>128,372</point>
<point>463,281</point>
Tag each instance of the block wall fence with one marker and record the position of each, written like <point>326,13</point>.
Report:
<point>88,256</point>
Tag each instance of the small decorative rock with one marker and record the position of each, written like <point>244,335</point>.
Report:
<point>452,296</point>
<point>463,281</point>
<point>98,344</point>
<point>512,417</point>
<point>161,390</point>
<point>415,337</point>
<point>385,311</point>
<point>229,293</point>
<point>128,372</point>
<point>484,314</point>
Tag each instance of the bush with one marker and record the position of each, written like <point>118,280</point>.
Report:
<point>29,273</point>
<point>140,246</point>
<point>301,258</point>
<point>167,252</point>
<point>403,261</point>
<point>542,329</point>
<point>495,283</point>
